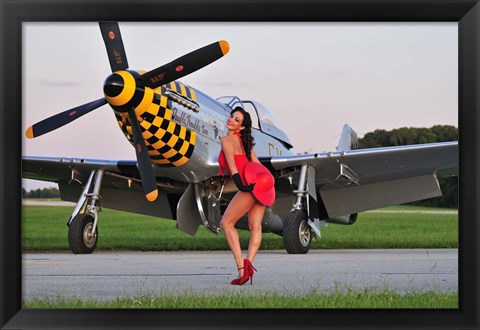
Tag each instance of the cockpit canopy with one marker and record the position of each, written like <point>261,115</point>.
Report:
<point>262,118</point>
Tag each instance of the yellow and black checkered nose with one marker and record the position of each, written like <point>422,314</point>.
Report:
<point>169,143</point>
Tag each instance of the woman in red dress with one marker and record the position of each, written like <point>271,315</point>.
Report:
<point>237,152</point>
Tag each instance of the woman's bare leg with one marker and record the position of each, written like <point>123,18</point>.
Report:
<point>241,203</point>
<point>255,217</point>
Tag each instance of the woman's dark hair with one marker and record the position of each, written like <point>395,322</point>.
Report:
<point>246,133</point>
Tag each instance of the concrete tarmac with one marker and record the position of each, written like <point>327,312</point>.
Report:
<point>110,275</point>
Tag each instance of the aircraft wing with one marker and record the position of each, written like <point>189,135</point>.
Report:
<point>121,185</point>
<point>357,180</point>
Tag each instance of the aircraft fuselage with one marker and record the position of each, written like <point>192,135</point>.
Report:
<point>181,126</point>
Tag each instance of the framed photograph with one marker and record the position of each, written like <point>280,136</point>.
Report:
<point>290,31</point>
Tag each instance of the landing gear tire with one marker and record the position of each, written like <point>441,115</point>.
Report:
<point>80,237</point>
<point>297,234</point>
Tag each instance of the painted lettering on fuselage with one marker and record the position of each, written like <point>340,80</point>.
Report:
<point>273,150</point>
<point>205,124</point>
<point>188,121</point>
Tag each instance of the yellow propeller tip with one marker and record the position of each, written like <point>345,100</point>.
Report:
<point>29,133</point>
<point>152,196</point>
<point>224,46</point>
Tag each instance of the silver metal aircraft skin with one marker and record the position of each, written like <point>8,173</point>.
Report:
<point>311,189</point>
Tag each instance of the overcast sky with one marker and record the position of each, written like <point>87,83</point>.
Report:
<point>314,77</point>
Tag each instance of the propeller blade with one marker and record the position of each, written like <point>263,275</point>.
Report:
<point>63,118</point>
<point>185,65</point>
<point>143,159</point>
<point>114,44</point>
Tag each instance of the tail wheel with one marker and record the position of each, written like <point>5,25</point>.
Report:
<point>80,236</point>
<point>297,234</point>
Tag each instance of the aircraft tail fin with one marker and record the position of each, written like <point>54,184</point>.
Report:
<point>348,139</point>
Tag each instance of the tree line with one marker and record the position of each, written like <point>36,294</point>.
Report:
<point>413,135</point>
<point>50,192</point>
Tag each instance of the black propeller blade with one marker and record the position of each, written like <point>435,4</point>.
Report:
<point>114,44</point>
<point>143,159</point>
<point>185,65</point>
<point>63,118</point>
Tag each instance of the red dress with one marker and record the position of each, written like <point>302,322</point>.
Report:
<point>240,161</point>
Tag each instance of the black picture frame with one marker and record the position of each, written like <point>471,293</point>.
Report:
<point>13,13</point>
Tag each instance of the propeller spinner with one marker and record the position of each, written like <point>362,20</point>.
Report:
<point>122,89</point>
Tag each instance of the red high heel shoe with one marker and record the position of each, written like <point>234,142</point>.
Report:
<point>250,269</point>
<point>242,280</point>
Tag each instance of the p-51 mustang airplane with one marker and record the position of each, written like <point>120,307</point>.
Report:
<point>176,129</point>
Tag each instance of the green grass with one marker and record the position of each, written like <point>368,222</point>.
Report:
<point>44,228</point>
<point>405,207</point>
<point>363,299</point>
<point>399,230</point>
<point>367,298</point>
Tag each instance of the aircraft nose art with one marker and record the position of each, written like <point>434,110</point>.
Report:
<point>169,144</point>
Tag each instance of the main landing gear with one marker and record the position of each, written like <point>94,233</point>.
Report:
<point>297,234</point>
<point>297,227</point>
<point>82,225</point>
